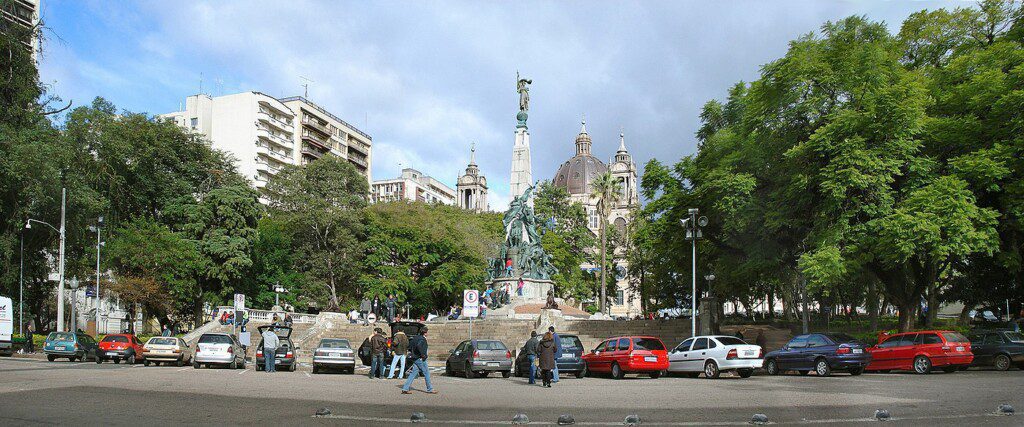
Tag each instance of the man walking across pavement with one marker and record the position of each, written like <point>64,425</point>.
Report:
<point>399,345</point>
<point>270,343</point>
<point>418,348</point>
<point>558,351</point>
<point>530,350</point>
<point>378,348</point>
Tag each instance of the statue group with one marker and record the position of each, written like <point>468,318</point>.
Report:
<point>521,245</point>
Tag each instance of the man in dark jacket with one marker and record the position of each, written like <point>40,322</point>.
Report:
<point>399,346</point>
<point>558,351</point>
<point>391,304</point>
<point>530,350</point>
<point>378,348</point>
<point>418,349</point>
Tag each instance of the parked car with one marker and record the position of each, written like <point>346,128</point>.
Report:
<point>569,361</point>
<point>477,358</point>
<point>166,350</point>
<point>6,327</point>
<point>999,349</point>
<point>74,346</point>
<point>822,353</point>
<point>714,354</point>
<point>625,355</point>
<point>284,356</point>
<point>334,353</point>
<point>218,349</point>
<point>921,352</point>
<point>118,347</point>
<point>410,328</point>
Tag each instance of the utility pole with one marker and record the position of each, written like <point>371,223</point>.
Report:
<point>60,263</point>
<point>21,287</point>
<point>97,228</point>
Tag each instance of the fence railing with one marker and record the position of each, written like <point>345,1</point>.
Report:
<point>267,316</point>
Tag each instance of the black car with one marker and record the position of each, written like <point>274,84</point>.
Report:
<point>284,357</point>
<point>999,349</point>
<point>570,361</point>
<point>822,353</point>
<point>411,329</point>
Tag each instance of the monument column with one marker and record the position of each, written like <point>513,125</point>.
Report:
<point>522,173</point>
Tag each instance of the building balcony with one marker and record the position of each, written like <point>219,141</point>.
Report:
<point>316,141</point>
<point>283,156</point>
<point>273,138</point>
<point>262,164</point>
<point>359,147</point>
<point>307,151</point>
<point>359,162</point>
<point>275,122</point>
<point>313,124</point>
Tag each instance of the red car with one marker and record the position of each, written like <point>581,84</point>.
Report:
<point>622,355</point>
<point>921,351</point>
<point>118,347</point>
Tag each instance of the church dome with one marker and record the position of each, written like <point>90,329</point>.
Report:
<point>576,174</point>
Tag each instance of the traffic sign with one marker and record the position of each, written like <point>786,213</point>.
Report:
<point>470,303</point>
<point>239,301</point>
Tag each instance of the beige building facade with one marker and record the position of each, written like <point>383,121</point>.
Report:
<point>412,186</point>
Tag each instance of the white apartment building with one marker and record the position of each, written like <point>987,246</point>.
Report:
<point>264,133</point>
<point>23,13</point>
<point>412,185</point>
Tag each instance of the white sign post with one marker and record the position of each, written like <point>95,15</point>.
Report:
<point>470,307</point>
<point>239,307</point>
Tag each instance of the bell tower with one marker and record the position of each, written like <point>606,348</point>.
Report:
<point>472,187</point>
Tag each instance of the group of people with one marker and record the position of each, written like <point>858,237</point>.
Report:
<point>402,348</point>
<point>388,309</point>
<point>543,350</point>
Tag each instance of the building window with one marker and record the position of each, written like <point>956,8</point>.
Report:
<point>619,297</point>
<point>594,217</point>
<point>195,122</point>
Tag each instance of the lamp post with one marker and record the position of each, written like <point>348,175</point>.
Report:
<point>73,284</point>
<point>60,262</point>
<point>97,228</point>
<point>693,226</point>
<point>407,308</point>
<point>277,292</point>
<point>21,287</point>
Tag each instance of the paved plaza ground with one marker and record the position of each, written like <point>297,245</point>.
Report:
<point>34,392</point>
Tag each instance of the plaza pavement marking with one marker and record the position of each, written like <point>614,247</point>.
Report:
<point>183,369</point>
<point>243,371</point>
<point>308,375</point>
<point>668,423</point>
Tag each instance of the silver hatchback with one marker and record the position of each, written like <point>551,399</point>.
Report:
<point>477,358</point>
<point>334,353</point>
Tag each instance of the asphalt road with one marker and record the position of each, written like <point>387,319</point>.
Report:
<point>35,392</point>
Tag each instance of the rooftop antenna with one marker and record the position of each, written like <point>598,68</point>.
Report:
<point>305,92</point>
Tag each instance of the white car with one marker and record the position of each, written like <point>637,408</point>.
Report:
<point>218,349</point>
<point>713,354</point>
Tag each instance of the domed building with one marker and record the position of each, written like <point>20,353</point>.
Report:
<point>576,176</point>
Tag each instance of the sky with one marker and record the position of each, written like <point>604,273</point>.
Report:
<point>427,79</point>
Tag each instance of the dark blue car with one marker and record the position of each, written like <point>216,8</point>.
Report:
<point>822,353</point>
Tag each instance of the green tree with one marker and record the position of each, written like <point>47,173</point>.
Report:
<point>566,238</point>
<point>607,191</point>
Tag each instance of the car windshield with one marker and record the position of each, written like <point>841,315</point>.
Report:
<point>61,336</point>
<point>730,341</point>
<point>570,342</point>
<point>490,345</point>
<point>115,338</point>
<point>1015,336</point>
<point>215,339</point>
<point>647,344</point>
<point>954,337</point>
<point>163,341</point>
<point>335,344</point>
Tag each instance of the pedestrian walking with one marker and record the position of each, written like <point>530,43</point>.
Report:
<point>418,348</point>
<point>519,287</point>
<point>546,350</point>
<point>166,332</point>
<point>270,343</point>
<point>508,267</point>
<point>558,350</point>
<point>378,348</point>
<point>530,350</point>
<point>30,344</point>
<point>400,346</point>
<point>761,340</point>
<point>376,306</point>
<point>364,309</point>
<point>391,304</point>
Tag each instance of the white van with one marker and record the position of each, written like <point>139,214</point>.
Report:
<point>6,326</point>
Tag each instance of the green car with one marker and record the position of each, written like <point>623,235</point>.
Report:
<point>74,346</point>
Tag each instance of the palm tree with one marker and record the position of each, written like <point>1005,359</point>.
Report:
<point>607,191</point>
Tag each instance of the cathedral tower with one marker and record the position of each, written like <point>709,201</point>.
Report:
<point>472,187</point>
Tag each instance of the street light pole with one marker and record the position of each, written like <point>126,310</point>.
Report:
<point>60,268</point>
<point>99,243</point>
<point>21,287</point>
<point>74,301</point>
<point>692,226</point>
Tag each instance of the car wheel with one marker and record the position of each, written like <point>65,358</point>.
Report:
<point>99,360</point>
<point>195,365</point>
<point>771,367</point>
<point>233,364</point>
<point>856,371</point>
<point>506,374</point>
<point>242,365</point>
<point>711,370</point>
<point>291,368</point>
<point>145,363</point>
<point>131,359</point>
<point>581,373</point>
<point>821,368</point>
<point>1002,362</point>
<point>51,357</point>
<point>117,361</point>
<point>316,369</point>
<point>468,371</point>
<point>617,372</point>
<point>922,365</point>
<point>448,369</point>
<point>745,372</point>
<point>585,372</point>
<point>655,375</point>
<point>180,362</point>
<point>804,372</point>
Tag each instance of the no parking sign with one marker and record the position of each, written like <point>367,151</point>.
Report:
<point>470,303</point>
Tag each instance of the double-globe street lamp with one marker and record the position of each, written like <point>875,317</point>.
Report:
<point>60,262</point>
<point>99,243</point>
<point>693,225</point>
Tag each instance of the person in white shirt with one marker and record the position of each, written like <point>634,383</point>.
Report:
<point>270,343</point>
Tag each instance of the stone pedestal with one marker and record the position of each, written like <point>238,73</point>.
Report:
<point>548,317</point>
<point>533,289</point>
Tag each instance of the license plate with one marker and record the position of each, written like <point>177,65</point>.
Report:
<point>749,354</point>
<point>111,353</point>
<point>650,358</point>
<point>278,361</point>
<point>858,351</point>
<point>492,363</point>
<point>60,347</point>
<point>564,355</point>
<point>960,348</point>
